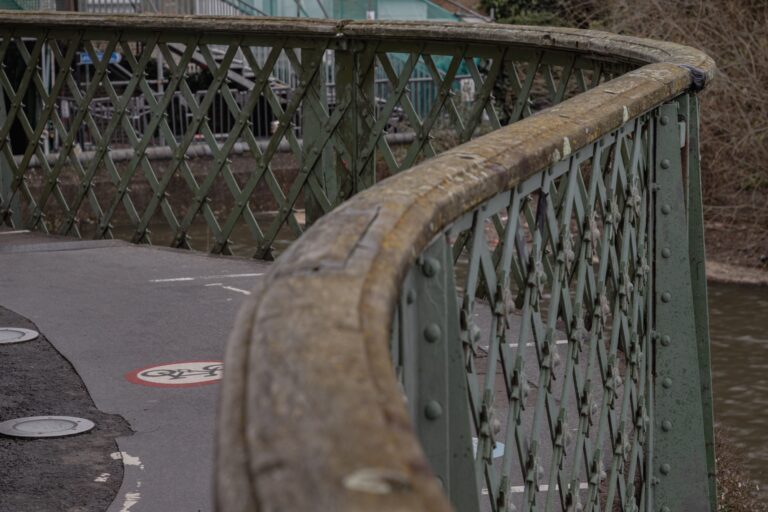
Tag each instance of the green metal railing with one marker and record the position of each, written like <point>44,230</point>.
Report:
<point>515,319</point>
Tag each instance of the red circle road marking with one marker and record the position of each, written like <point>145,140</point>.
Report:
<point>180,374</point>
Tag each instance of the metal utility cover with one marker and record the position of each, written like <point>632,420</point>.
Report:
<point>45,426</point>
<point>16,335</point>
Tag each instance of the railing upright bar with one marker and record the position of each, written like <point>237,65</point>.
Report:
<point>439,396</point>
<point>679,463</point>
<point>311,128</point>
<point>354,78</point>
<point>689,112</point>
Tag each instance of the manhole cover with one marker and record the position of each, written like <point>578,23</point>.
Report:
<point>16,335</point>
<point>45,426</point>
<point>178,375</point>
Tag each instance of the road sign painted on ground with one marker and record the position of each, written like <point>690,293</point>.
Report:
<point>178,375</point>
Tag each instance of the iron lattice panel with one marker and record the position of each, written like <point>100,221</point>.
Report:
<point>335,112</point>
<point>554,321</point>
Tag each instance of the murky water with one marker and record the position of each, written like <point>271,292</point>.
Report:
<point>738,317</point>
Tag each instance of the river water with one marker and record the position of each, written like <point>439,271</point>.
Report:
<point>738,319</point>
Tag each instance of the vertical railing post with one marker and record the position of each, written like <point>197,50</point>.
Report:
<point>10,212</point>
<point>679,452</point>
<point>311,129</point>
<point>689,114</point>
<point>434,375</point>
<point>354,71</point>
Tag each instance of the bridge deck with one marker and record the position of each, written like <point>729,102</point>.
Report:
<point>111,308</point>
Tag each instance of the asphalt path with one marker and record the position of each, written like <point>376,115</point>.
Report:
<point>113,309</point>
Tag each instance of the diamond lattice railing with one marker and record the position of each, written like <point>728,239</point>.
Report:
<point>550,297</point>
<point>553,300</point>
<point>222,144</point>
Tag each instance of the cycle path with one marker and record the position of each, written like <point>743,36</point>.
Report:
<point>114,311</point>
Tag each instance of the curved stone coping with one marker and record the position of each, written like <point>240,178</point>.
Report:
<point>312,417</point>
<point>597,43</point>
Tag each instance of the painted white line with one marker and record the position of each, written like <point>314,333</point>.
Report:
<point>205,278</point>
<point>215,284</point>
<point>544,487</point>
<point>254,274</point>
<point>128,460</point>
<point>131,498</point>
<point>102,477</point>
<point>531,344</point>
<point>238,290</point>
<point>518,489</point>
<point>17,232</point>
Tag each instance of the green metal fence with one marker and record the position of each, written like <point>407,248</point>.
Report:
<point>515,319</point>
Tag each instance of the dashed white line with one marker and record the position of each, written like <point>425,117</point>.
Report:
<point>253,274</point>
<point>17,232</point>
<point>238,290</point>
<point>131,498</point>
<point>205,278</point>
<point>518,489</point>
<point>544,487</point>
<point>531,344</point>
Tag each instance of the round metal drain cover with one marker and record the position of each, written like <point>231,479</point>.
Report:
<point>45,426</point>
<point>16,335</point>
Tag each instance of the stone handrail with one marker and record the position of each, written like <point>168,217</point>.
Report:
<point>312,417</point>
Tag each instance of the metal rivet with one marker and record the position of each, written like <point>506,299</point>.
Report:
<point>666,297</point>
<point>430,267</point>
<point>665,209</point>
<point>432,333</point>
<point>665,164</point>
<point>666,252</point>
<point>433,410</point>
<point>666,425</point>
<point>666,382</point>
<point>666,340</point>
<point>664,120</point>
<point>665,469</point>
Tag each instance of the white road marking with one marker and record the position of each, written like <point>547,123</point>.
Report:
<point>531,344</point>
<point>215,284</point>
<point>542,488</point>
<point>238,290</point>
<point>253,274</point>
<point>128,460</point>
<point>102,477</point>
<point>17,232</point>
<point>204,278</point>
<point>131,498</point>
